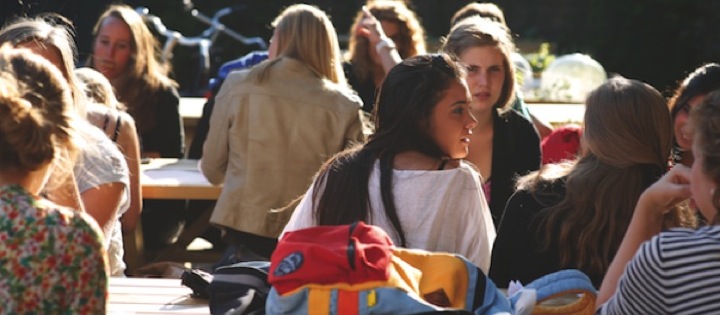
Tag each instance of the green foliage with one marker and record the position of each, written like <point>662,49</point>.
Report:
<point>541,59</point>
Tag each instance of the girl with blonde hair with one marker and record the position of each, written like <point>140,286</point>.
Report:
<point>53,261</point>
<point>274,125</point>
<point>100,182</point>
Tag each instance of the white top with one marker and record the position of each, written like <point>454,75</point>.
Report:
<point>102,163</point>
<point>442,210</point>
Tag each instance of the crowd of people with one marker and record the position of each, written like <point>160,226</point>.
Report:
<point>438,149</point>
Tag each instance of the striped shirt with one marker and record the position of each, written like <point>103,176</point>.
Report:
<point>676,272</point>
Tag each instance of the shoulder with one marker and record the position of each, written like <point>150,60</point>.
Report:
<point>514,118</point>
<point>532,199</point>
<point>681,242</point>
<point>345,95</point>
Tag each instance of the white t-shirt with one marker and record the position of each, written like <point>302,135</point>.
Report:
<point>102,163</point>
<point>443,210</point>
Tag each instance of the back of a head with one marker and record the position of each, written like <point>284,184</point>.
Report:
<point>97,87</point>
<point>35,117</point>
<point>703,80</point>
<point>486,10</point>
<point>476,31</point>
<point>627,122</point>
<point>305,33</point>
<point>405,102</point>
<point>57,37</point>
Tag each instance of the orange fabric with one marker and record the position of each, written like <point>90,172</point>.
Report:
<point>439,271</point>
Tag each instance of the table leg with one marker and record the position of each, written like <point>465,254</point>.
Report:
<point>177,250</point>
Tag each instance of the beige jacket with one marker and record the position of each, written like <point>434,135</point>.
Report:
<point>266,142</point>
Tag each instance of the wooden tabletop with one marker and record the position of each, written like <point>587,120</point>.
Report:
<point>176,179</point>
<point>152,296</point>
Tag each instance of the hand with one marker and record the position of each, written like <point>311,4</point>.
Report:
<point>370,27</point>
<point>668,191</point>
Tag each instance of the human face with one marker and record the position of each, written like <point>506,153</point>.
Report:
<point>701,186</point>
<point>392,31</point>
<point>50,53</point>
<point>485,76</point>
<point>112,48</point>
<point>451,122</point>
<point>682,135</point>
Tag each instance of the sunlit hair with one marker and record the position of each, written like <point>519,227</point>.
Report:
<point>410,40</point>
<point>705,126</point>
<point>55,37</point>
<point>480,32</point>
<point>36,117</point>
<point>407,97</point>
<point>486,10</point>
<point>603,185</point>
<point>305,33</point>
<point>145,75</point>
<point>97,88</point>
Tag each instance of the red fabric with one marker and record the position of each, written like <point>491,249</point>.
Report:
<point>320,255</point>
<point>348,302</point>
<point>562,144</point>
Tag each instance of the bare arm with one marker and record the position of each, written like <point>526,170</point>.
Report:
<point>65,193</point>
<point>130,147</point>
<point>371,28</point>
<point>102,204</point>
<point>646,222</point>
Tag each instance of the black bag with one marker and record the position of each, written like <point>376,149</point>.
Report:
<point>240,288</point>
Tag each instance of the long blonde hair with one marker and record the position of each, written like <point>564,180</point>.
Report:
<point>305,33</point>
<point>137,87</point>
<point>410,42</point>
<point>627,137</point>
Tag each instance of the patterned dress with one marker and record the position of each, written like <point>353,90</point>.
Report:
<point>52,259</point>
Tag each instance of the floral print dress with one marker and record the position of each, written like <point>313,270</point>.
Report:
<point>52,259</point>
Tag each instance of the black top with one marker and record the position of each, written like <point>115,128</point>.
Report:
<point>516,152</point>
<point>516,253</point>
<point>167,136</point>
<point>365,89</point>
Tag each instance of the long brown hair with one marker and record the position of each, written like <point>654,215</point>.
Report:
<point>145,75</point>
<point>410,41</point>
<point>407,96</point>
<point>627,139</point>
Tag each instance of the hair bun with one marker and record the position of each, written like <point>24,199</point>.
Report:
<point>23,131</point>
